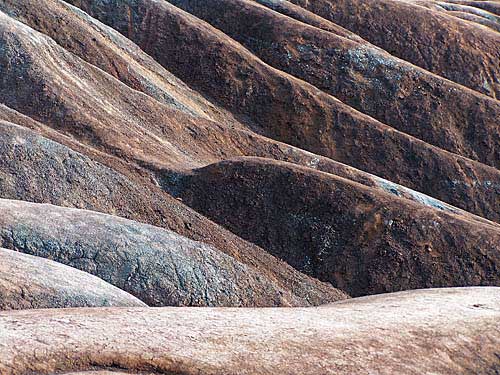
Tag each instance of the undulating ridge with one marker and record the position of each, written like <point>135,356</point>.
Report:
<point>335,161</point>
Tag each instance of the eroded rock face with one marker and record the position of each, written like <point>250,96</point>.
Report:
<point>157,266</point>
<point>427,331</point>
<point>29,282</point>
<point>110,51</point>
<point>359,239</point>
<point>39,170</point>
<point>367,78</point>
<point>354,140</point>
<point>485,13</point>
<point>292,111</point>
<point>443,44</point>
<point>93,106</point>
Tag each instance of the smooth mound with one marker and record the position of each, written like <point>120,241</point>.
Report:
<point>425,331</point>
<point>28,282</point>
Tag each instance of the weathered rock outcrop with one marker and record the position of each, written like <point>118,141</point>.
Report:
<point>480,12</point>
<point>339,146</point>
<point>110,51</point>
<point>445,45</point>
<point>157,266</point>
<point>360,239</point>
<point>295,112</point>
<point>447,331</point>
<point>93,106</point>
<point>36,169</point>
<point>39,170</point>
<point>29,282</point>
<point>367,78</point>
<point>125,110</point>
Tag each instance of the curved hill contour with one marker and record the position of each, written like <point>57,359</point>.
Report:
<point>158,266</point>
<point>340,158</point>
<point>48,284</point>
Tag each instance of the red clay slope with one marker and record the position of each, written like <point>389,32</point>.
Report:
<point>391,90</point>
<point>443,44</point>
<point>295,112</point>
<point>359,239</point>
<point>129,124</point>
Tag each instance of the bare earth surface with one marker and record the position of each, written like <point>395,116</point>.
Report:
<point>317,157</point>
<point>29,282</point>
<point>342,232</point>
<point>425,331</point>
<point>158,266</point>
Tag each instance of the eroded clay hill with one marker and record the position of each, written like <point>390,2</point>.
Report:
<point>134,104</point>
<point>249,153</point>
<point>157,266</point>
<point>360,239</point>
<point>460,51</point>
<point>293,111</point>
<point>36,169</point>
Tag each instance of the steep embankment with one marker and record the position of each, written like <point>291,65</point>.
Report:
<point>295,112</point>
<point>119,128</point>
<point>339,146</point>
<point>367,78</point>
<point>445,45</point>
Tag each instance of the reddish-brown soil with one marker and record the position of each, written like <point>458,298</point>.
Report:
<point>360,239</point>
<point>441,43</point>
<point>282,107</point>
<point>38,170</point>
<point>393,91</point>
<point>250,153</point>
<point>82,84</point>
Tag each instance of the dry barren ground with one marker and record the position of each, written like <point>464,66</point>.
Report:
<point>249,187</point>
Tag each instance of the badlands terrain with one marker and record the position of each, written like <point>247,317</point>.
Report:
<point>249,187</point>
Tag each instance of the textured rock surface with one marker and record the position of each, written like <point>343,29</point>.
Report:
<point>443,44</point>
<point>28,282</point>
<point>360,239</point>
<point>483,13</point>
<point>39,170</point>
<point>295,112</point>
<point>110,51</point>
<point>355,140</point>
<point>157,266</point>
<point>391,90</point>
<point>138,127</point>
<point>428,331</point>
